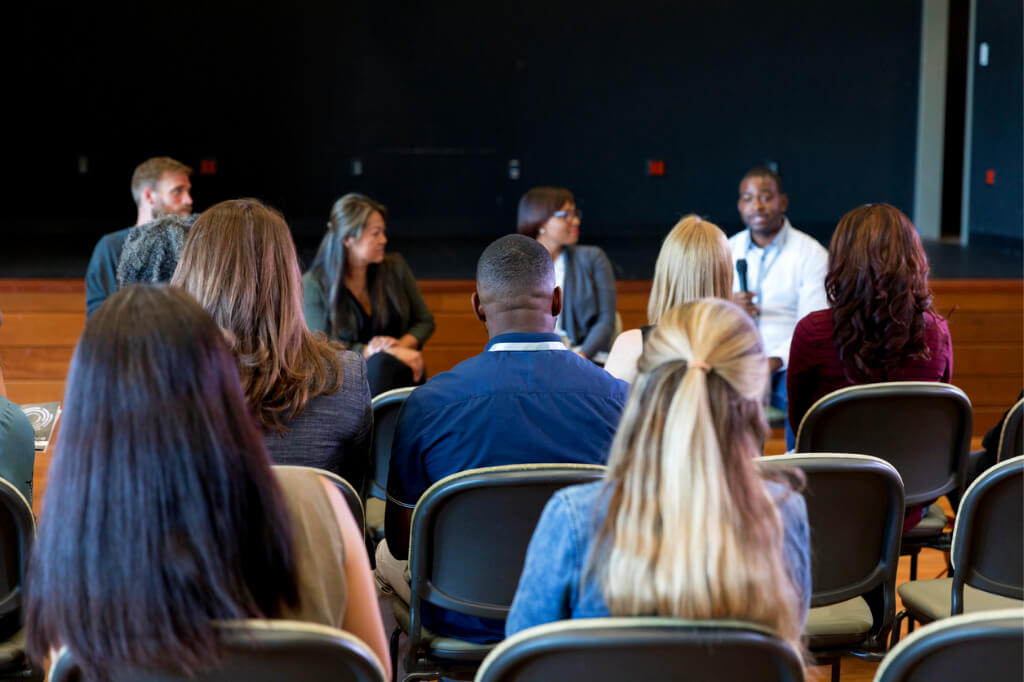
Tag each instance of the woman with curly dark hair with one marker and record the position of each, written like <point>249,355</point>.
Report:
<point>880,324</point>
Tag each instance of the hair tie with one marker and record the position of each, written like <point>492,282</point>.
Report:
<point>699,364</point>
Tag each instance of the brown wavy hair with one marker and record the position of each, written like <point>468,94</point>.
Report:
<point>239,262</point>
<point>877,287</point>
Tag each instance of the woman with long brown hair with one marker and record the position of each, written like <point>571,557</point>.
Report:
<point>880,324</point>
<point>311,396</point>
<point>684,525</point>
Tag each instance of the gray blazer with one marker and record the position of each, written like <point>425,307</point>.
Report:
<point>588,299</point>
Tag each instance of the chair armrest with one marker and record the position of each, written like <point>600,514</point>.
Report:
<point>397,525</point>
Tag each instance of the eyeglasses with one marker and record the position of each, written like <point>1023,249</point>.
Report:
<point>567,215</point>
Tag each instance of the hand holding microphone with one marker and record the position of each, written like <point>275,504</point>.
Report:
<point>744,297</point>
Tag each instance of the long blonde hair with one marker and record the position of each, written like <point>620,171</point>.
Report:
<point>691,530</point>
<point>694,262</point>
<point>239,262</point>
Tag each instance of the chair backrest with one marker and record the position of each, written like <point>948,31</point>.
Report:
<point>262,651</point>
<point>988,645</point>
<point>355,503</point>
<point>855,513</point>
<point>386,407</point>
<point>17,534</point>
<point>616,649</point>
<point>921,428</point>
<point>987,551</point>
<point>1011,437</point>
<point>470,532</point>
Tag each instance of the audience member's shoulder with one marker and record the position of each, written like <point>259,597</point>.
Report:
<point>819,321</point>
<point>583,497</point>
<point>113,240</point>
<point>352,363</point>
<point>14,421</point>
<point>936,324</point>
<point>599,377</point>
<point>789,501</point>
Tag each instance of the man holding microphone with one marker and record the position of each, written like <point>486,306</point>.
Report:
<point>780,273</point>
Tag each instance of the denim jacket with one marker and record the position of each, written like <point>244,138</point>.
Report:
<point>552,586</point>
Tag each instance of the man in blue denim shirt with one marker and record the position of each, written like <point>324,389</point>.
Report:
<point>526,399</point>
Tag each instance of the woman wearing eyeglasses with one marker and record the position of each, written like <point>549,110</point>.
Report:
<point>549,215</point>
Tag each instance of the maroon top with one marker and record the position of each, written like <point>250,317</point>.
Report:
<point>815,371</point>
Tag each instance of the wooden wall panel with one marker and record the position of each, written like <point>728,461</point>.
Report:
<point>43,319</point>
<point>35,390</point>
<point>41,329</point>
<point>35,362</point>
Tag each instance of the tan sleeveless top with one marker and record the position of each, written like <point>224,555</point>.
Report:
<point>319,550</point>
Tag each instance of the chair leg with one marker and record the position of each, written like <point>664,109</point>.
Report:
<point>897,625</point>
<point>835,669</point>
<point>913,564</point>
<point>393,650</point>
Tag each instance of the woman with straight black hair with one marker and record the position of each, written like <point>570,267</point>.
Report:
<point>365,298</point>
<point>163,514</point>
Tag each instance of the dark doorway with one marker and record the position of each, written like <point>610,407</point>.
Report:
<point>956,101</point>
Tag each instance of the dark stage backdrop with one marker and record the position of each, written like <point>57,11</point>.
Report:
<point>434,99</point>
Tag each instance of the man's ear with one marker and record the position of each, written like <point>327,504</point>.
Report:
<point>784,202</point>
<point>478,309</point>
<point>556,301</point>
<point>147,195</point>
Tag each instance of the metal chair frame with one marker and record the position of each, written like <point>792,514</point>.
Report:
<point>613,649</point>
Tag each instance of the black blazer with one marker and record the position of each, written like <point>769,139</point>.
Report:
<point>588,299</point>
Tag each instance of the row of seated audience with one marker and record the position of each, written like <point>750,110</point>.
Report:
<point>157,443</point>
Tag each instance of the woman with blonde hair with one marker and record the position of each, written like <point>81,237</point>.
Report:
<point>694,262</point>
<point>311,396</point>
<point>684,525</point>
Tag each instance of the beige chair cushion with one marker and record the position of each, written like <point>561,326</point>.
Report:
<point>375,514</point>
<point>12,652</point>
<point>845,618</point>
<point>933,523</point>
<point>930,600</point>
<point>438,645</point>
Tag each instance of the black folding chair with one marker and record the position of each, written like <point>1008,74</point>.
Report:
<point>988,554</point>
<point>855,513</point>
<point>921,428</point>
<point>352,499</point>
<point>459,559</point>
<point>262,651</point>
<point>985,646</point>
<point>1011,436</point>
<point>17,535</point>
<point>386,408</point>
<point>617,649</point>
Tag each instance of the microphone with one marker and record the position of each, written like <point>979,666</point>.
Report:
<point>741,270</point>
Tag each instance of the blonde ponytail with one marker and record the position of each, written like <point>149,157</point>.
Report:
<point>690,529</point>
